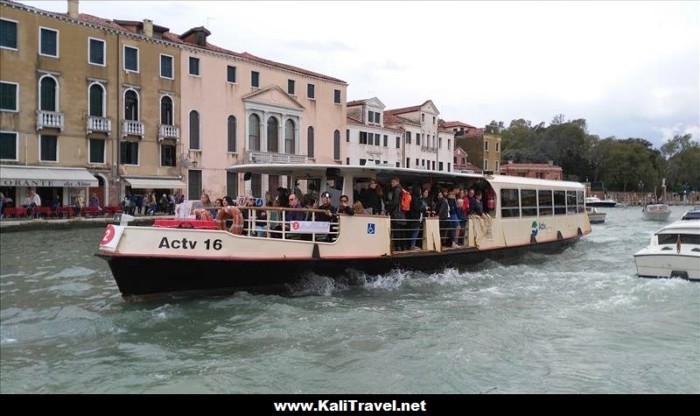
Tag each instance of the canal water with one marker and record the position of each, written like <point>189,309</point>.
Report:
<point>577,322</point>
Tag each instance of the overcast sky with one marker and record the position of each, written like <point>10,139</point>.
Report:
<point>630,68</point>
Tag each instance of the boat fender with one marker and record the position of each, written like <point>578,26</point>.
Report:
<point>559,235</point>
<point>316,253</point>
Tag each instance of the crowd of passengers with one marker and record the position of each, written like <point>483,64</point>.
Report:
<point>452,204</point>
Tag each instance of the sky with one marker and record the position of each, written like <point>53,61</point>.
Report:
<point>629,68</point>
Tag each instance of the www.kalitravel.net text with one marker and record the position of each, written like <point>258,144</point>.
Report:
<point>350,406</point>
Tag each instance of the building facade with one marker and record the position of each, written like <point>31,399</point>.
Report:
<point>367,141</point>
<point>482,145</point>
<point>533,170</point>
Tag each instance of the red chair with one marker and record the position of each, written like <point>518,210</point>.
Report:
<point>45,211</point>
<point>10,212</point>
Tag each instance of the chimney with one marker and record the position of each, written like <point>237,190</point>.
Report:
<point>73,8</point>
<point>148,27</point>
<point>550,162</point>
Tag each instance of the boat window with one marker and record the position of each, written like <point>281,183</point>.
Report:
<point>580,206</point>
<point>571,202</point>
<point>545,202</point>
<point>685,239</point>
<point>559,202</point>
<point>529,202</point>
<point>510,203</point>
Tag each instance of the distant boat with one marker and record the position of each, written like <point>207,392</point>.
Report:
<point>656,212</point>
<point>595,216</point>
<point>594,201</point>
<point>693,214</point>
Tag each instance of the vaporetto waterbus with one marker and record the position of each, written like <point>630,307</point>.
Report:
<point>187,258</point>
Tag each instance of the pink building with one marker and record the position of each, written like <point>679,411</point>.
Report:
<point>532,170</point>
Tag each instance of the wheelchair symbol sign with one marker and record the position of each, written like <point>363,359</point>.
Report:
<point>370,228</point>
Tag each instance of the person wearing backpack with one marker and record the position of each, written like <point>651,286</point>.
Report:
<point>398,217</point>
<point>414,218</point>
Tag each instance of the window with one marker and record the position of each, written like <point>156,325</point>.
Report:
<point>408,163</point>
<point>255,79</point>
<point>9,96</point>
<point>194,130</point>
<point>433,120</point>
<point>96,51</point>
<point>48,96</point>
<point>289,142</point>
<point>97,100</point>
<point>48,148</point>
<point>363,137</point>
<point>167,115</point>
<point>486,146</point>
<point>398,142</point>
<point>291,87</point>
<point>310,141</point>
<point>408,137</point>
<point>231,74</point>
<point>273,135</point>
<point>311,91</point>
<point>167,155</point>
<point>510,203</point>
<point>129,153</point>
<point>559,202</point>
<point>529,202</point>
<point>418,139</point>
<point>194,180</point>
<point>96,153</point>
<point>194,67</point>
<point>48,42</point>
<point>231,129</point>
<point>131,59</point>
<point>486,164</point>
<point>336,145</point>
<point>422,117</point>
<point>336,96</point>
<point>232,184</point>
<point>131,105</point>
<point>254,134</point>
<point>166,67</point>
<point>347,135</point>
<point>8,34</point>
<point>8,145</point>
<point>498,166</point>
<point>440,166</point>
<point>545,200</point>
<point>386,140</point>
<point>440,143</point>
<point>498,147</point>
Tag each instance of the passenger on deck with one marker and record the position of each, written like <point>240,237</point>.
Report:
<point>371,198</point>
<point>398,217</point>
<point>357,208</point>
<point>229,210</point>
<point>344,207</point>
<point>201,208</point>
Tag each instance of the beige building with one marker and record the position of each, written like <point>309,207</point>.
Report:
<point>426,145</point>
<point>482,145</point>
<point>88,104</point>
<point>238,108</point>
<point>533,170</point>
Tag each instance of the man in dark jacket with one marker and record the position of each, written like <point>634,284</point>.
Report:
<point>398,217</point>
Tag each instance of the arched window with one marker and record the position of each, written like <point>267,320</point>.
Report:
<point>167,116</point>
<point>48,94</point>
<point>336,145</point>
<point>131,105</point>
<point>310,141</point>
<point>231,134</point>
<point>97,96</point>
<point>194,130</point>
<point>273,142</point>
<point>289,132</point>
<point>254,133</point>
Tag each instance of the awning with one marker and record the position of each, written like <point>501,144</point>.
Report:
<point>39,176</point>
<point>155,183</point>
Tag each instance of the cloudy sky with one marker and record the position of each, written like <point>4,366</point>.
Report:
<point>630,68</point>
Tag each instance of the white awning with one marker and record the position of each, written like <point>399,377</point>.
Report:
<point>39,176</point>
<point>155,183</point>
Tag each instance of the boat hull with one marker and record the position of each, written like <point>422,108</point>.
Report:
<point>659,265</point>
<point>144,277</point>
<point>602,204</point>
<point>596,218</point>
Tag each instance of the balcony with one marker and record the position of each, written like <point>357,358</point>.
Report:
<point>279,158</point>
<point>49,120</point>
<point>99,124</point>
<point>429,149</point>
<point>132,128</point>
<point>168,132</point>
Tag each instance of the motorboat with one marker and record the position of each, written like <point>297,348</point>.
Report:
<point>595,216</point>
<point>194,256</point>
<point>656,212</point>
<point>693,214</point>
<point>673,251</point>
<point>594,201</point>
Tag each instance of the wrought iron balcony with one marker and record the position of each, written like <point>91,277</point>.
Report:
<point>168,132</point>
<point>132,128</point>
<point>281,158</point>
<point>99,124</point>
<point>49,120</point>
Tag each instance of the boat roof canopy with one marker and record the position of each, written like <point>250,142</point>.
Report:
<point>374,171</point>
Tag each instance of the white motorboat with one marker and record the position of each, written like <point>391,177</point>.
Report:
<point>674,251</point>
<point>595,216</point>
<point>594,201</point>
<point>693,214</point>
<point>656,212</point>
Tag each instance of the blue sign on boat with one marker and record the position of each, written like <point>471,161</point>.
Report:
<point>370,228</point>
